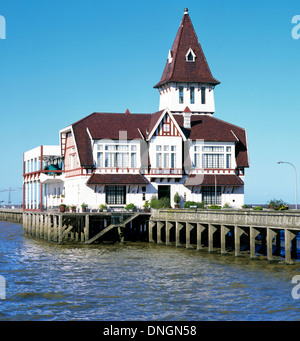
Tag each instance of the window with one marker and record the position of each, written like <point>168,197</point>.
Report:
<point>158,160</point>
<point>118,155</point>
<point>165,156</point>
<point>228,160</point>
<point>173,156</point>
<point>192,95</point>
<point>166,127</point>
<point>202,95</point>
<point>190,57</point>
<point>212,156</point>
<point>208,195</point>
<point>181,94</point>
<point>133,160</point>
<point>115,195</point>
<point>212,160</point>
<point>212,149</point>
<point>99,159</point>
<point>197,156</point>
<point>166,160</point>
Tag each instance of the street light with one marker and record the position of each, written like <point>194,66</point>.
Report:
<point>295,179</point>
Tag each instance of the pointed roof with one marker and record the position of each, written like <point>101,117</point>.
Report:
<point>178,68</point>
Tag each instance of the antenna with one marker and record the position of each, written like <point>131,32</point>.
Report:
<point>9,197</point>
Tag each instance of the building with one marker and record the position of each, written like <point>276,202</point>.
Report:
<point>121,158</point>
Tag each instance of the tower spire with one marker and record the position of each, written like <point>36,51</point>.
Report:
<point>187,79</point>
<point>178,67</point>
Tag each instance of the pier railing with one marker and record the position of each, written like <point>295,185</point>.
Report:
<point>268,218</point>
<point>226,229</point>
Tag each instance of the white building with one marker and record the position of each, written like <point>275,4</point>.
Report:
<point>121,158</point>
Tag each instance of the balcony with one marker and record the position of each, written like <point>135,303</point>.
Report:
<point>166,172</point>
<point>51,176</point>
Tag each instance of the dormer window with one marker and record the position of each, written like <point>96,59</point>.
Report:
<point>190,56</point>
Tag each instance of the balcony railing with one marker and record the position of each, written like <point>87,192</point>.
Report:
<point>165,171</point>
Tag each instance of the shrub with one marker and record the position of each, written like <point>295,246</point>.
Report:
<point>226,205</point>
<point>188,204</point>
<point>160,203</point>
<point>283,208</point>
<point>130,207</point>
<point>277,204</point>
<point>103,207</point>
<point>214,207</point>
<point>146,204</point>
<point>257,208</point>
<point>177,198</point>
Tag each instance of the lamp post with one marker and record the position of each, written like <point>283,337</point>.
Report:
<point>295,180</point>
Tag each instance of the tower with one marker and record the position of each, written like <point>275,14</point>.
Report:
<point>187,79</point>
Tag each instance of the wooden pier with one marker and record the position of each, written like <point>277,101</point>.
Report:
<point>87,227</point>
<point>236,230</point>
<point>270,233</point>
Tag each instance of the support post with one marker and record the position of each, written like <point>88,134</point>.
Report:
<point>179,226</point>
<point>168,228</point>
<point>188,230</point>
<point>60,228</point>
<point>50,227</point>
<point>159,227</point>
<point>211,230</point>
<point>87,228</point>
<point>270,235</point>
<point>288,237</point>
<point>253,234</point>
<point>55,218</point>
<point>224,231</point>
<point>151,225</point>
<point>200,229</point>
<point>237,240</point>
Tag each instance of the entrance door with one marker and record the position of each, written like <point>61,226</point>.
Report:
<point>163,192</point>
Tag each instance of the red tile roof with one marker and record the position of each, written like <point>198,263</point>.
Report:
<point>180,70</point>
<point>209,128</point>
<point>209,180</point>
<point>117,179</point>
<point>108,125</point>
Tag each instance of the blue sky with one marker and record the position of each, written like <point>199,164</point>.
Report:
<point>62,60</point>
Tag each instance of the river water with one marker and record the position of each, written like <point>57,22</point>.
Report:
<point>138,281</point>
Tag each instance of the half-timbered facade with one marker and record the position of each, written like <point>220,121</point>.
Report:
<point>121,158</point>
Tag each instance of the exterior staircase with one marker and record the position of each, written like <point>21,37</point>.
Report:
<point>110,227</point>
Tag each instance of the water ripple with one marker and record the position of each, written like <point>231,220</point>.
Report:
<point>137,281</point>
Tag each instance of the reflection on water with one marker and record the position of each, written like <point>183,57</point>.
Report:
<point>137,281</point>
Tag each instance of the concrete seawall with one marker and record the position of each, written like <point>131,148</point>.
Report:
<point>11,215</point>
<point>228,230</point>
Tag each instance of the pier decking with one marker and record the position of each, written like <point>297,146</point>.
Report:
<point>269,233</point>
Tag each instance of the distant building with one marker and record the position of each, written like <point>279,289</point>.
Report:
<point>121,158</point>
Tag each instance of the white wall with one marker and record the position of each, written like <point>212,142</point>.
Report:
<point>170,99</point>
